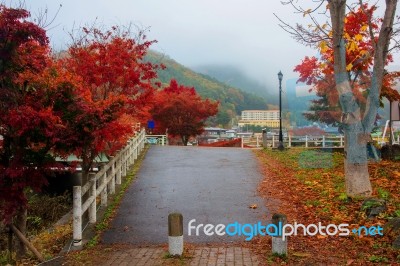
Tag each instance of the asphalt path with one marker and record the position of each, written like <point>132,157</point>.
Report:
<point>210,185</point>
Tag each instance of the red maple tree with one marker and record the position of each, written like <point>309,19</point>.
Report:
<point>116,88</point>
<point>30,126</point>
<point>181,111</point>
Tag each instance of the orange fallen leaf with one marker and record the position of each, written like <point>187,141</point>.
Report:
<point>300,254</point>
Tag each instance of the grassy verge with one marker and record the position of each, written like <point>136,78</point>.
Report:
<point>308,186</point>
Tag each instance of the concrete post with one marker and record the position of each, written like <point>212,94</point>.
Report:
<point>118,181</point>
<point>273,141</point>
<point>306,141</point>
<point>341,141</point>
<point>112,185</point>
<point>279,246</point>
<point>132,152</point>
<point>123,163</point>
<point>264,138</point>
<point>257,142</point>
<point>93,206</point>
<point>104,192</point>
<point>241,142</point>
<point>77,214</point>
<point>175,234</point>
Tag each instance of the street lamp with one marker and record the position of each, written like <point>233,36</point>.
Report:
<point>280,145</point>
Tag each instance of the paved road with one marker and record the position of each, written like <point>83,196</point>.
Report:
<point>211,185</point>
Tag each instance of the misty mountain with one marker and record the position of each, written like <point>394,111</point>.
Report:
<point>235,77</point>
<point>232,100</point>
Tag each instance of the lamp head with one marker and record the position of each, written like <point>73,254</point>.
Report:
<point>280,76</point>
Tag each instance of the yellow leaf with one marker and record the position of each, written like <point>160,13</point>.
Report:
<point>308,11</point>
<point>358,37</point>
<point>349,67</point>
<point>323,46</point>
<point>300,254</point>
<point>364,28</point>
<point>352,46</point>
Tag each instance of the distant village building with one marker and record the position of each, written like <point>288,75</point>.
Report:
<point>214,134</point>
<point>263,118</point>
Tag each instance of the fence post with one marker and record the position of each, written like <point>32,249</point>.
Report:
<point>279,246</point>
<point>257,142</point>
<point>137,147</point>
<point>264,138</point>
<point>341,141</point>
<point>127,162</point>
<point>118,163</point>
<point>162,140</point>
<point>104,192</point>
<point>290,141</point>
<point>77,213</point>
<point>323,141</point>
<point>175,234</point>
<point>123,162</point>
<point>132,151</point>
<point>273,141</point>
<point>112,186</point>
<point>306,141</point>
<point>93,206</point>
<point>241,142</point>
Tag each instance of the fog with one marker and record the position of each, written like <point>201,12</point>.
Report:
<point>244,34</point>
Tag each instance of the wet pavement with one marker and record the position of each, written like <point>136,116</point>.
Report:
<point>211,185</point>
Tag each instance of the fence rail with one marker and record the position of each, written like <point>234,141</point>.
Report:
<point>103,183</point>
<point>157,139</point>
<point>294,141</point>
<point>302,141</point>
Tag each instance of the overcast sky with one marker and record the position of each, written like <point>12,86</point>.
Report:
<point>243,33</point>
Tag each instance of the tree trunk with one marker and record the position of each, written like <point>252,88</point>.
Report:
<point>185,140</point>
<point>20,223</point>
<point>357,180</point>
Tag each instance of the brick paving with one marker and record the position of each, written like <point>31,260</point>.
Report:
<point>200,256</point>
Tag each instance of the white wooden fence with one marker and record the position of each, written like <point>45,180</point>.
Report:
<point>102,184</point>
<point>295,141</point>
<point>157,139</point>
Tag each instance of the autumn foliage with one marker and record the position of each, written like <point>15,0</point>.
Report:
<point>85,101</point>
<point>180,111</point>
<point>29,127</point>
<point>308,187</point>
<point>114,91</point>
<point>319,72</point>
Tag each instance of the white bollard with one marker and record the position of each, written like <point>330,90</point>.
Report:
<point>279,246</point>
<point>175,234</point>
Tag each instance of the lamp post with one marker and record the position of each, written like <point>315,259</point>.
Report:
<point>280,145</point>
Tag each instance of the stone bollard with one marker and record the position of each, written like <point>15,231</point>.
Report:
<point>264,138</point>
<point>279,246</point>
<point>175,234</point>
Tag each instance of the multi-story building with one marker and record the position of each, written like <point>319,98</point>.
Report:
<point>264,118</point>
